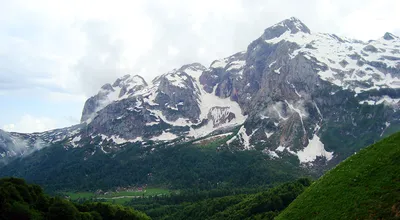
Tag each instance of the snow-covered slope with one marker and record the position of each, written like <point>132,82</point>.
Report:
<point>122,88</point>
<point>174,103</point>
<point>350,64</point>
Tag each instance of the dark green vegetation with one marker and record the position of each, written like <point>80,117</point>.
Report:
<point>215,204</point>
<point>184,166</point>
<point>365,186</point>
<point>19,200</point>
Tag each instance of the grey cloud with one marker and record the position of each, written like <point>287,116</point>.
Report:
<point>72,119</point>
<point>101,62</point>
<point>220,36</point>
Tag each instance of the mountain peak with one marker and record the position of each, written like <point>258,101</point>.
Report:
<point>389,36</point>
<point>129,79</point>
<point>293,24</point>
<point>194,66</point>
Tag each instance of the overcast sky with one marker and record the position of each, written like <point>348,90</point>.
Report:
<point>55,54</point>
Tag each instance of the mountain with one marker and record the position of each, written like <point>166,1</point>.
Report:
<point>14,145</point>
<point>313,99</point>
<point>364,186</point>
<point>282,89</point>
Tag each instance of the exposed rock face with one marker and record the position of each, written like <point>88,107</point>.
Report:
<point>292,26</point>
<point>292,93</point>
<point>389,36</point>
<point>123,87</point>
<point>174,102</point>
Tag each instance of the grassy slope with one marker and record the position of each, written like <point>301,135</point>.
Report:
<point>119,197</point>
<point>365,186</point>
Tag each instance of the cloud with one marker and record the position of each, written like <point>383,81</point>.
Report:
<point>9,127</point>
<point>72,119</point>
<point>106,57</point>
<point>66,97</point>
<point>70,48</point>
<point>29,123</point>
<point>65,46</point>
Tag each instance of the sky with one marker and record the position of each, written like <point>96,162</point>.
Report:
<point>56,54</point>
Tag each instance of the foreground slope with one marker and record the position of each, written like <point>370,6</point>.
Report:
<point>20,200</point>
<point>365,186</point>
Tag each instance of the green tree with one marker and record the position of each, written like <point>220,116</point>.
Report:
<point>63,210</point>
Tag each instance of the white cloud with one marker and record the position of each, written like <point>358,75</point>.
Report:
<point>80,45</point>
<point>172,51</point>
<point>76,46</point>
<point>372,20</point>
<point>29,123</point>
<point>66,97</point>
<point>9,127</point>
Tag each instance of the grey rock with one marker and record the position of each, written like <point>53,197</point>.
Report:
<point>293,25</point>
<point>126,85</point>
<point>370,48</point>
<point>389,36</point>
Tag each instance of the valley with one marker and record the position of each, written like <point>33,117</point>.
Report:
<point>117,197</point>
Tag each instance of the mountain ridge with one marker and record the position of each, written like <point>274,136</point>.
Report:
<point>278,93</point>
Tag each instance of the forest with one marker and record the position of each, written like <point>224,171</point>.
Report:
<point>19,200</point>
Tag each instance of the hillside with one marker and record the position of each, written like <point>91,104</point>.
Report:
<point>229,204</point>
<point>365,186</point>
<point>178,167</point>
<point>20,200</point>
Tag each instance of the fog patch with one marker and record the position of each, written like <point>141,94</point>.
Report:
<point>14,146</point>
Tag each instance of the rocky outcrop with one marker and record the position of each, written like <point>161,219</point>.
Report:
<point>123,87</point>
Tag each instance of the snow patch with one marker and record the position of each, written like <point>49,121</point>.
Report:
<point>387,124</point>
<point>279,114</point>
<point>236,65</point>
<point>219,64</point>
<point>273,154</point>
<point>245,139</point>
<point>165,136</point>
<point>314,149</point>
<point>385,100</point>
<point>298,111</point>
<point>280,148</point>
<point>152,123</point>
<point>278,71</point>
<point>319,112</point>
<point>269,134</point>
<point>213,137</point>
<point>295,90</point>
<point>75,140</point>
<point>231,140</point>
<point>271,64</point>
<point>176,80</point>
